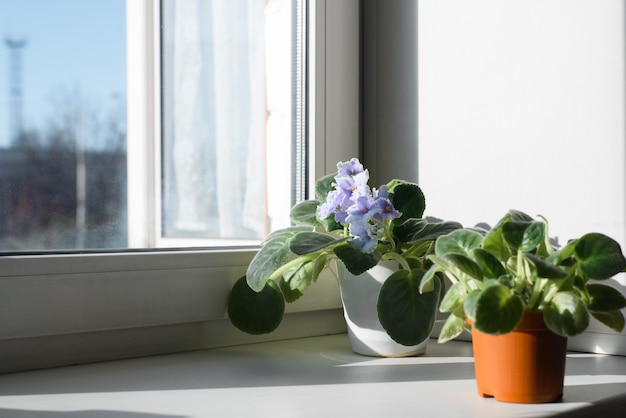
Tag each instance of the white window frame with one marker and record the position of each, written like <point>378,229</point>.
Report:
<point>75,308</point>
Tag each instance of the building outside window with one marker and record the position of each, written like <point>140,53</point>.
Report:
<point>220,157</point>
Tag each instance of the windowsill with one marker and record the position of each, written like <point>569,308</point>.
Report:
<point>314,377</point>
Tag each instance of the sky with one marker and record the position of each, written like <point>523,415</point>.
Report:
<point>72,45</point>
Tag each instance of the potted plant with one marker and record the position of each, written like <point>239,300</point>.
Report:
<point>509,284</point>
<point>366,231</point>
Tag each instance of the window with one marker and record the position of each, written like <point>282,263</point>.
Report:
<point>70,308</point>
<point>222,112</point>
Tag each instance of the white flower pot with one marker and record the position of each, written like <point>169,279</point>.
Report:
<point>359,295</point>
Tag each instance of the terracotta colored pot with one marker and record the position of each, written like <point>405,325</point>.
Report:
<point>523,366</point>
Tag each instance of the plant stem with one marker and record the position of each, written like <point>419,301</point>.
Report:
<point>533,303</point>
<point>293,263</point>
<point>520,276</point>
<point>397,257</point>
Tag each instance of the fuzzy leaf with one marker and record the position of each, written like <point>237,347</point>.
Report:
<point>433,230</point>
<point>469,304</point>
<point>462,241</point>
<point>498,311</point>
<point>427,284</point>
<point>407,315</point>
<point>533,236</point>
<point>454,297</point>
<point>290,295</point>
<point>305,213</point>
<point>406,230</point>
<point>513,233</point>
<point>407,198</point>
<point>273,254</point>
<point>491,267</point>
<point>300,278</point>
<point>355,260</point>
<point>285,233</point>
<point>612,319</point>
<point>599,256</point>
<point>256,312</point>
<point>544,269</point>
<point>323,186</point>
<point>452,328</point>
<point>494,241</point>
<point>308,242</point>
<point>566,314</point>
<point>604,298</point>
<point>465,264</point>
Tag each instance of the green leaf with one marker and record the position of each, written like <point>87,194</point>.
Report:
<point>599,256</point>
<point>308,242</point>
<point>300,277</point>
<point>544,269</point>
<point>433,230</point>
<point>462,241</point>
<point>285,233</point>
<point>533,236</point>
<point>323,186</point>
<point>454,297</point>
<point>498,311</point>
<point>612,319</point>
<point>518,216</point>
<point>564,253</point>
<point>513,233</point>
<point>566,314</point>
<point>290,295</point>
<point>255,312</point>
<point>461,263</point>
<point>405,231</point>
<point>319,265</point>
<point>427,284</point>
<point>604,298</point>
<point>407,198</point>
<point>494,241</point>
<point>305,213</point>
<point>470,303</point>
<point>330,224</point>
<point>452,328</point>
<point>491,267</point>
<point>272,255</point>
<point>356,261</point>
<point>407,315</point>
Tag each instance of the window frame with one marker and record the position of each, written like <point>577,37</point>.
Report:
<point>62,309</point>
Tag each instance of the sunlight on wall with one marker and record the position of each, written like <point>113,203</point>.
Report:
<point>521,105</point>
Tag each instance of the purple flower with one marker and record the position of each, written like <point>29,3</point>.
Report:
<point>386,210</point>
<point>354,204</point>
<point>349,168</point>
<point>381,192</point>
<point>330,205</point>
<point>354,185</point>
<point>364,240</point>
<point>363,210</point>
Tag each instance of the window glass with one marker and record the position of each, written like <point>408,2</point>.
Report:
<point>62,124</point>
<point>222,153</point>
<point>226,104</point>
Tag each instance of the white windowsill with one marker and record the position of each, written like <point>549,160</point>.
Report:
<point>310,377</point>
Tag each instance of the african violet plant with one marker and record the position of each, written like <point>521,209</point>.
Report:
<point>513,268</point>
<point>358,226</point>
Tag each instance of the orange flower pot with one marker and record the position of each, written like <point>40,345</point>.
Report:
<point>523,366</point>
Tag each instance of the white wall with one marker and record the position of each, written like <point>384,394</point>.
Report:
<point>521,105</point>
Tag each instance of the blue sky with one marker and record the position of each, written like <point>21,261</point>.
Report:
<point>71,45</point>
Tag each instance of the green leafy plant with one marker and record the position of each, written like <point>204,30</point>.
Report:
<point>498,275</point>
<point>359,227</point>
